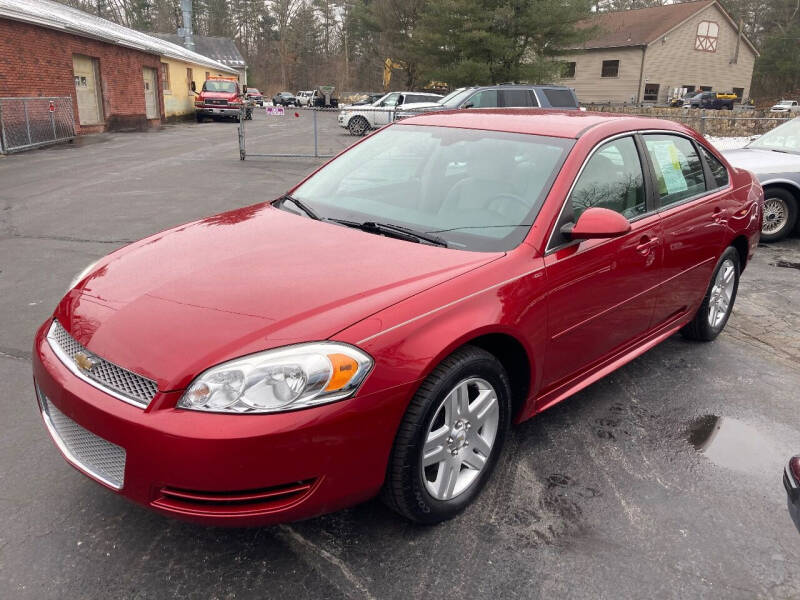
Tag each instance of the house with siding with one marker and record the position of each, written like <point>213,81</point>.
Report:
<point>642,55</point>
<point>115,76</point>
<point>220,49</point>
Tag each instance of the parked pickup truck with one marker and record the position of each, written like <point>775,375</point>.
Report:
<point>221,98</point>
<point>713,100</point>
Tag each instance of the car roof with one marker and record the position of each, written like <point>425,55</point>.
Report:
<point>537,121</point>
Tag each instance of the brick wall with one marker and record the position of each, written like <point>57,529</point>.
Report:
<point>35,61</point>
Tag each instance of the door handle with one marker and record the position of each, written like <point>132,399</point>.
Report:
<point>645,244</point>
<point>719,215</point>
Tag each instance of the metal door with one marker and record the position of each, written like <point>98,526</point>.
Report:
<point>150,93</point>
<point>87,90</point>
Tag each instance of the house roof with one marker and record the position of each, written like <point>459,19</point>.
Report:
<point>221,49</point>
<point>642,26</point>
<point>53,15</point>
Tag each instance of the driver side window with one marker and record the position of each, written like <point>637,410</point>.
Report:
<point>390,100</point>
<point>613,179</point>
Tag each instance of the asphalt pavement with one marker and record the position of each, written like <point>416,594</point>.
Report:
<point>662,480</point>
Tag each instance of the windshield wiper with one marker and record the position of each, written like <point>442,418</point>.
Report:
<point>395,231</point>
<point>301,205</point>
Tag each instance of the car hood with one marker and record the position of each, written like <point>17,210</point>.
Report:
<point>763,162</point>
<point>181,301</point>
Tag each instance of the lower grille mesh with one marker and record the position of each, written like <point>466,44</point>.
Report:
<point>98,457</point>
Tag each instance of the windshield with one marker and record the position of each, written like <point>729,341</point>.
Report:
<point>477,190</point>
<point>785,138</point>
<point>455,98</point>
<point>785,103</point>
<point>219,86</point>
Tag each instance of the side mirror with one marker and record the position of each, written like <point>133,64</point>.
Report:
<point>469,105</point>
<point>193,86</point>
<point>597,223</point>
<point>244,89</point>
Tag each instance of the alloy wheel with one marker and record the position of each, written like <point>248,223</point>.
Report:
<point>719,300</point>
<point>776,215</point>
<point>460,438</point>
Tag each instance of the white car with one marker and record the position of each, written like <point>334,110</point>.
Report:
<point>359,120</point>
<point>785,106</point>
<point>304,97</point>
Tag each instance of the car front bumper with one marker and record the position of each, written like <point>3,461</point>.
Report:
<point>218,111</point>
<point>217,469</point>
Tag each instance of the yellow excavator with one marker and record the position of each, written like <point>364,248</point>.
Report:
<point>388,66</point>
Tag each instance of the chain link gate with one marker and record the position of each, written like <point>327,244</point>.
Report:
<point>330,130</point>
<point>32,122</point>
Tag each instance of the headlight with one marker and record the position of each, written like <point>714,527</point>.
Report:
<point>280,380</point>
<point>79,277</point>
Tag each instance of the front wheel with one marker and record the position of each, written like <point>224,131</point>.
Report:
<point>717,304</point>
<point>450,438</point>
<point>780,214</point>
<point>358,126</point>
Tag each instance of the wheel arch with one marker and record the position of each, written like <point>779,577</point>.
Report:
<point>508,349</point>
<point>742,248</point>
<point>790,186</point>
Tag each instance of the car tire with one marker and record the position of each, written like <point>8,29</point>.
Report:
<point>717,305</point>
<point>199,117</point>
<point>780,214</point>
<point>461,414</point>
<point>358,126</point>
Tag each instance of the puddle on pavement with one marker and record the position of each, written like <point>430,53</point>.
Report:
<point>735,445</point>
<point>786,264</point>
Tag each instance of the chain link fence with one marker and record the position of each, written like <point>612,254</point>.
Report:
<point>309,132</point>
<point>300,132</point>
<point>32,122</point>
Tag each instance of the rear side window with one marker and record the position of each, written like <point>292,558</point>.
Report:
<point>718,171</point>
<point>518,98</point>
<point>560,98</point>
<point>612,178</point>
<point>676,166</point>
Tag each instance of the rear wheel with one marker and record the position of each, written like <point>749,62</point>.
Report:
<point>450,438</point>
<point>358,125</point>
<point>780,214</point>
<point>717,304</point>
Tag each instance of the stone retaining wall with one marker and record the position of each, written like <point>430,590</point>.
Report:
<point>721,123</point>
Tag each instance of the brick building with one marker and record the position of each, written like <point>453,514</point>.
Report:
<point>112,73</point>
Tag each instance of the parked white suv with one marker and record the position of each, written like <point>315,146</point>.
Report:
<point>785,106</point>
<point>304,97</point>
<point>359,120</point>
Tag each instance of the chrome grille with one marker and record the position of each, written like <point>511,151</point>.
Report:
<point>217,102</point>
<point>90,453</point>
<point>113,379</point>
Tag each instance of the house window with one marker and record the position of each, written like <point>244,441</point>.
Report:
<point>568,70</point>
<point>165,77</point>
<point>739,93</point>
<point>651,92</point>
<point>206,75</point>
<point>689,88</point>
<point>707,34</point>
<point>610,68</point>
<point>705,88</point>
<point>189,79</point>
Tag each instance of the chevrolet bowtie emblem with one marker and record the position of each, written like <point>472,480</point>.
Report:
<point>85,361</point>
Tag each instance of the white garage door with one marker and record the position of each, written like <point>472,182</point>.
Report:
<point>87,89</point>
<point>150,93</point>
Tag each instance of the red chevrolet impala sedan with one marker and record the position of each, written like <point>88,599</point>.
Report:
<point>378,328</point>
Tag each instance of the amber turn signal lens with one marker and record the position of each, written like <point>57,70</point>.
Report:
<point>344,368</point>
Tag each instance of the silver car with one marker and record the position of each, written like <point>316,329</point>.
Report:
<point>774,158</point>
